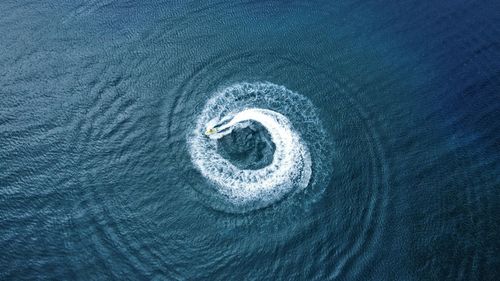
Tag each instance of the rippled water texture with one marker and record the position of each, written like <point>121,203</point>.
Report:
<point>363,145</point>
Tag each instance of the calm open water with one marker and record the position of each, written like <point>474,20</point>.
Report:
<point>98,101</point>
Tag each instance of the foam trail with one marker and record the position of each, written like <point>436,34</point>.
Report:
<point>237,106</point>
<point>288,156</point>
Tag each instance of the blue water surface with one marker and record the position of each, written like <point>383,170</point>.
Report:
<point>97,98</point>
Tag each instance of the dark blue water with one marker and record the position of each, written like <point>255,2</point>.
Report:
<point>97,99</point>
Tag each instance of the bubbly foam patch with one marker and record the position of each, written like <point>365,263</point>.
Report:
<point>294,128</point>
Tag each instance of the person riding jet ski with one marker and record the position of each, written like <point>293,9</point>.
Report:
<point>210,131</point>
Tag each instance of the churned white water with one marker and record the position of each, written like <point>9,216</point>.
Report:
<point>294,128</point>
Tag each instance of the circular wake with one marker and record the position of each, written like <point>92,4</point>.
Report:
<point>290,121</point>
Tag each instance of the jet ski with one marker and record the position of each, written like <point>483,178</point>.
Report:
<point>210,131</point>
<point>219,127</point>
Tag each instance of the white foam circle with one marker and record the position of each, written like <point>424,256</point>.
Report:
<point>283,114</point>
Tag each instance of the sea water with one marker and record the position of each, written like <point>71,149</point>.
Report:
<point>364,142</point>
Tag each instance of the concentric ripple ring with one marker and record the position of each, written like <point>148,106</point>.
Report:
<point>294,128</point>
